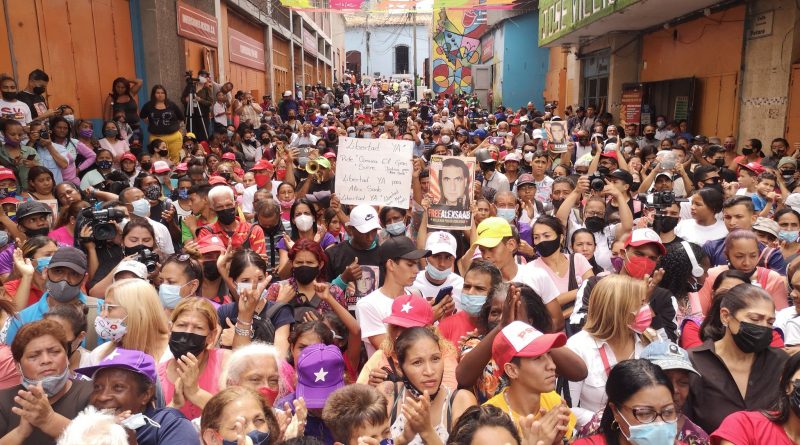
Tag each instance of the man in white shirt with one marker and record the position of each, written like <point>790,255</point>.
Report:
<point>399,259</point>
<point>10,107</point>
<point>438,272</point>
<point>498,245</point>
<point>129,198</point>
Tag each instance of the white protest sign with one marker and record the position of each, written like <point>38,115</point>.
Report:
<point>374,171</point>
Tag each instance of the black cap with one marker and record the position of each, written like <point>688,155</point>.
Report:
<point>29,208</point>
<point>621,174</point>
<point>401,247</point>
<point>69,257</point>
<point>700,139</point>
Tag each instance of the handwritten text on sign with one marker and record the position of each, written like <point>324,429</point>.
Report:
<point>374,171</point>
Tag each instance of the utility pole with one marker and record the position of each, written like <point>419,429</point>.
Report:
<point>367,33</point>
<point>414,59</point>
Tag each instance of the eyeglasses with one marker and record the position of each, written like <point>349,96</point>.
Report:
<point>591,214</point>
<point>668,414</point>
<point>713,180</point>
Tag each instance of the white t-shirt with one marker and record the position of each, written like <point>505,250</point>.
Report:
<point>537,280</point>
<point>222,119</point>
<point>163,237</point>
<point>370,312</point>
<point>248,195</point>
<point>689,230</point>
<point>430,290</point>
<point>19,109</point>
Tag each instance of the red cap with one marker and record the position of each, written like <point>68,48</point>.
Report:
<point>9,200</point>
<point>182,167</point>
<point>229,156</point>
<point>515,122</point>
<point>217,180</point>
<point>520,339</point>
<point>754,167</point>
<point>609,154</point>
<point>210,243</point>
<point>129,156</point>
<point>640,237</point>
<point>7,173</point>
<point>329,155</point>
<point>160,167</point>
<point>262,165</point>
<point>409,311</point>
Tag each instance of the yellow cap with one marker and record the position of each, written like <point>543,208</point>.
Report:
<point>492,230</point>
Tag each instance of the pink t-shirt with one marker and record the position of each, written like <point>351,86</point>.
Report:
<point>562,283</point>
<point>750,428</point>
<point>62,236</point>
<point>208,381</point>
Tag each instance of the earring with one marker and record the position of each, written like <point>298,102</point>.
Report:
<point>614,425</point>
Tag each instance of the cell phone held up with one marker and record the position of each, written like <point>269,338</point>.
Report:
<point>443,292</point>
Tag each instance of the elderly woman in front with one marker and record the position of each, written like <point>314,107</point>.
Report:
<point>39,409</point>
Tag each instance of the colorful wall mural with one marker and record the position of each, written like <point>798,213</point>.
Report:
<point>456,47</point>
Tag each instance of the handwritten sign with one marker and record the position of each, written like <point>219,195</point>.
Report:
<point>374,171</point>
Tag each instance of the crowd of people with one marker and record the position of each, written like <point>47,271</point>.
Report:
<point>188,275</point>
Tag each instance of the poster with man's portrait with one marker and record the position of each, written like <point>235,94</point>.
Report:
<point>451,188</point>
<point>370,277</point>
<point>557,135</point>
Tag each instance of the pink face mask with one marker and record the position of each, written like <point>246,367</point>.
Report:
<point>642,320</point>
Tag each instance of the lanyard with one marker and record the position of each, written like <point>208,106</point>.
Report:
<point>604,358</point>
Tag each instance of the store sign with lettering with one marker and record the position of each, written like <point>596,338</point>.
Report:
<point>246,50</point>
<point>197,25</point>
<point>558,18</point>
<point>761,25</point>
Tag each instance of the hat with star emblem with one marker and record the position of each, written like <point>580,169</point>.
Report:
<point>320,371</point>
<point>410,311</point>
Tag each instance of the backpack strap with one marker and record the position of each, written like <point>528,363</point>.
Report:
<point>276,306</point>
<point>246,243</point>
<point>449,412</point>
<point>393,414</point>
<point>208,227</point>
<point>763,275</point>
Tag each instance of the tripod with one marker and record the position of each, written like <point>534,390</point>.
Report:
<point>192,99</point>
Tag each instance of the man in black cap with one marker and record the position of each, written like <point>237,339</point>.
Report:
<point>64,277</point>
<point>34,218</point>
<point>623,181</point>
<point>399,264</point>
<point>203,99</point>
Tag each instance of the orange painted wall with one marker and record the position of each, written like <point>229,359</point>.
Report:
<point>710,49</point>
<point>82,44</point>
<point>555,86</point>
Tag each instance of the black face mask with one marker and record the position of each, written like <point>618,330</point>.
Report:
<point>794,399</point>
<point>146,166</point>
<point>595,223</point>
<point>9,95</point>
<point>719,163</point>
<point>181,343</point>
<point>30,233</point>
<point>665,224</point>
<point>547,248</point>
<point>650,136</point>
<point>557,203</point>
<point>38,90</point>
<point>210,270</point>
<point>227,216</point>
<point>752,337</point>
<point>135,250</point>
<point>747,151</point>
<point>305,274</point>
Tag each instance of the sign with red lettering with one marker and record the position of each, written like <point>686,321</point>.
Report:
<point>309,42</point>
<point>197,25</point>
<point>487,49</point>
<point>246,50</point>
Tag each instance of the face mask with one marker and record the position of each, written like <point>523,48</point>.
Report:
<point>230,134</point>
<point>528,156</point>
<point>12,144</point>
<point>719,162</point>
<point>617,262</point>
<point>70,118</point>
<point>36,232</point>
<point>227,216</point>
<point>182,343</point>
<point>170,295</point>
<point>367,135</point>
<point>110,133</point>
<point>747,151</point>
<point>38,90</point>
<point>305,274</point>
<point>507,214</point>
<point>210,270</point>
<point>789,236</point>
<point>666,224</point>
<point>138,420</point>
<point>9,95</point>
<point>639,266</point>
<point>595,224</point>
<point>655,433</point>
<point>280,174</point>
<point>256,437</point>
<point>396,229</point>
<point>752,337</point>
<point>146,166</point>
<point>269,394</point>
<point>104,164</point>
<point>437,274</point>
<point>62,291</point>
<point>201,79</point>
<point>261,179</point>
<point>42,263</point>
<point>660,124</point>
<point>153,192</point>
<point>351,135</point>
<point>642,320</point>
<point>472,304</point>
<point>86,133</point>
<point>547,248</point>
<point>649,136</point>
<point>502,133</point>
<point>304,223</point>
<point>183,193</point>
<point>788,178</point>
<point>286,205</point>
<point>110,329</point>
<point>670,134</point>
<point>51,385</point>
<point>141,208</point>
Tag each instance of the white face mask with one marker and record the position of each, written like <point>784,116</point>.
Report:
<point>304,223</point>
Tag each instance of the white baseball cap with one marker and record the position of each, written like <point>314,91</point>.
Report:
<point>134,267</point>
<point>537,133</point>
<point>439,242</point>
<point>364,218</point>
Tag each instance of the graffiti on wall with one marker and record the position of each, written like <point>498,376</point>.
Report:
<point>456,47</point>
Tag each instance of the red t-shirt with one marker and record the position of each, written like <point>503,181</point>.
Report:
<point>11,290</point>
<point>690,336</point>
<point>456,326</point>
<point>750,428</point>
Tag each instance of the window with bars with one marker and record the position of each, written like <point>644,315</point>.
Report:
<point>595,79</point>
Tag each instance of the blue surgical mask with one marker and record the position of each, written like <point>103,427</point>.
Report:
<point>256,436</point>
<point>170,295</point>
<point>42,263</point>
<point>789,236</point>
<point>655,433</point>
<point>507,214</point>
<point>51,384</point>
<point>437,274</point>
<point>141,207</point>
<point>472,304</point>
<point>183,193</point>
<point>396,229</point>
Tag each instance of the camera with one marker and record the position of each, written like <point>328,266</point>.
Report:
<point>148,258</point>
<point>101,222</point>
<point>660,200</point>
<point>597,181</point>
<point>44,133</point>
<point>190,79</point>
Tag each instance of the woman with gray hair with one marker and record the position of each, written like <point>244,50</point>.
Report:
<point>259,367</point>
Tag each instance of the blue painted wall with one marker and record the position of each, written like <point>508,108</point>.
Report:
<point>524,63</point>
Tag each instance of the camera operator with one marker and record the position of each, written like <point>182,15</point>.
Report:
<point>623,181</point>
<point>136,236</point>
<point>664,222</point>
<point>203,99</point>
<point>51,155</point>
<point>249,111</point>
<point>137,204</point>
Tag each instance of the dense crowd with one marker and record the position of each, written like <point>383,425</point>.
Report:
<point>185,273</point>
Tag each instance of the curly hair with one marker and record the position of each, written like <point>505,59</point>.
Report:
<point>305,245</point>
<point>31,331</point>
<point>678,268</point>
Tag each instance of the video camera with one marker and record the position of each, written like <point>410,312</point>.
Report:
<point>597,181</point>
<point>101,222</point>
<point>190,79</point>
<point>660,200</point>
<point>149,259</point>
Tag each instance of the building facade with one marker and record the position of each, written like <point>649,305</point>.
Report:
<point>259,45</point>
<point>384,45</point>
